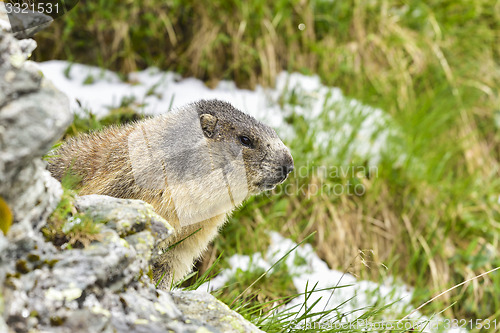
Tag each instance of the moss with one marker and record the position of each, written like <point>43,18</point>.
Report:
<point>16,275</point>
<point>57,321</point>
<point>5,216</point>
<point>67,226</point>
<point>22,266</point>
<point>51,263</point>
<point>9,283</point>
<point>33,257</point>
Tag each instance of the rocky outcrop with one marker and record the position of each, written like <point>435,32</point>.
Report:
<point>105,287</point>
<point>200,306</point>
<point>33,115</point>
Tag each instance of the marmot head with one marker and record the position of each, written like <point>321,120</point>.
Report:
<point>237,139</point>
<point>209,156</point>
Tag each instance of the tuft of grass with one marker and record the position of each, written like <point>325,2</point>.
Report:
<point>66,226</point>
<point>86,121</point>
<point>82,123</point>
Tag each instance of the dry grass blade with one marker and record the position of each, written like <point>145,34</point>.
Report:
<point>448,290</point>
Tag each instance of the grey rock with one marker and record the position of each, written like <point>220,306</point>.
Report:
<point>32,194</point>
<point>33,115</point>
<point>3,325</point>
<point>129,218</point>
<point>102,288</point>
<point>126,216</point>
<point>206,309</point>
<point>32,124</point>
<point>17,76</point>
<point>26,25</point>
<point>3,243</point>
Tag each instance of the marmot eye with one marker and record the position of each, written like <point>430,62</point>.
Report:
<point>245,141</point>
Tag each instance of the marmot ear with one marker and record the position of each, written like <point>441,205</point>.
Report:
<point>208,123</point>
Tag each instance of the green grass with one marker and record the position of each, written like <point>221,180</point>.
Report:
<point>431,215</point>
<point>66,227</point>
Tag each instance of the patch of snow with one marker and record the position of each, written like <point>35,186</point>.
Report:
<point>236,262</point>
<point>99,90</point>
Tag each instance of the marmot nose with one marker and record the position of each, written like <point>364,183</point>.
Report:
<point>286,169</point>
